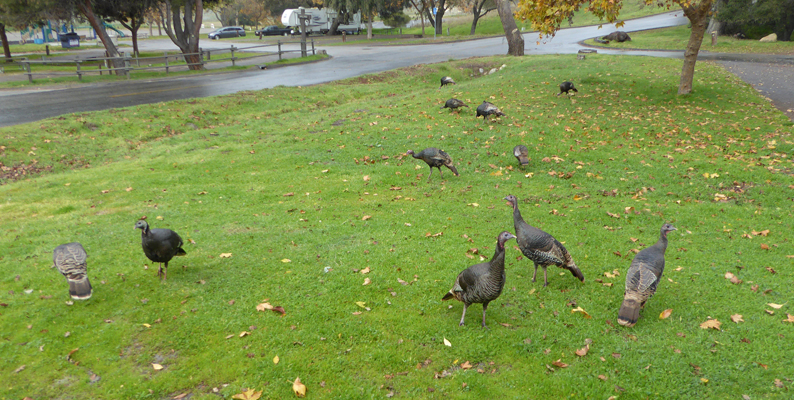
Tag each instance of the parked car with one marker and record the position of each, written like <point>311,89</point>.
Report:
<point>227,32</point>
<point>274,31</point>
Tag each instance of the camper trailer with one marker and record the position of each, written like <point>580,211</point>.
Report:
<point>320,20</point>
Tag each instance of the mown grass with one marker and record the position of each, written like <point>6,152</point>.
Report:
<point>676,38</point>
<point>307,186</point>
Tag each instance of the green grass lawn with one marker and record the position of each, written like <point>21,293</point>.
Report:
<point>676,38</point>
<point>289,195</point>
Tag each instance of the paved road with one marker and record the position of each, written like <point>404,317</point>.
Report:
<point>20,106</point>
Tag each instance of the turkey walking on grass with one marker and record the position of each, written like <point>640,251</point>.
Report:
<point>453,104</point>
<point>485,109</point>
<point>70,259</point>
<point>565,87</point>
<point>522,154</point>
<point>540,247</point>
<point>160,245</point>
<point>435,158</point>
<point>481,283</point>
<point>643,278</point>
<point>447,80</point>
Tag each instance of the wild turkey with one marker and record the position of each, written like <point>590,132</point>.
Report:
<point>485,109</point>
<point>540,247</point>
<point>453,104</point>
<point>160,245</point>
<point>643,278</point>
<point>70,259</point>
<point>447,80</point>
<point>435,158</point>
<point>522,154</point>
<point>565,87</point>
<point>481,283</point>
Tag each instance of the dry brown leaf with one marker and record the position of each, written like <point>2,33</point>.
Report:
<point>666,313</point>
<point>365,270</point>
<point>249,394</point>
<point>366,178</point>
<point>581,310</point>
<point>732,278</point>
<point>367,281</point>
<point>267,306</point>
<point>180,396</point>
<point>244,333</point>
<point>366,217</point>
<point>775,306</point>
<point>764,246</point>
<point>583,351</point>
<point>466,365</point>
<point>737,318</point>
<point>157,367</point>
<point>560,364</point>
<point>790,318</point>
<point>765,232</point>
<point>613,215</point>
<point>712,323</point>
<point>289,194</point>
<point>603,378</point>
<point>447,343</point>
<point>299,388</point>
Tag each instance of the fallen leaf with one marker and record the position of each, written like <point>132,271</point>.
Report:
<point>286,260</point>
<point>764,246</point>
<point>366,217</point>
<point>583,351</point>
<point>603,378</point>
<point>244,333</point>
<point>249,394</point>
<point>267,306</point>
<point>779,383</point>
<point>559,363</point>
<point>581,310</point>
<point>732,278</point>
<point>466,365</point>
<point>790,318</point>
<point>775,306</point>
<point>361,304</point>
<point>737,318</point>
<point>275,360</point>
<point>289,194</point>
<point>20,369</point>
<point>666,313</point>
<point>366,178</point>
<point>157,367</point>
<point>712,323</point>
<point>180,396</point>
<point>159,218</point>
<point>225,255</point>
<point>367,281</point>
<point>129,189</point>
<point>704,380</point>
<point>365,270</point>
<point>299,388</point>
<point>447,343</point>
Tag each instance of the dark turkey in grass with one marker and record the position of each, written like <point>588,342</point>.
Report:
<point>540,247</point>
<point>160,246</point>
<point>454,104</point>
<point>485,109</point>
<point>565,87</point>
<point>435,158</point>
<point>70,259</point>
<point>522,154</point>
<point>481,283</point>
<point>447,80</point>
<point>643,278</point>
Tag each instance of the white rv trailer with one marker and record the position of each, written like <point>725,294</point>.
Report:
<point>320,21</point>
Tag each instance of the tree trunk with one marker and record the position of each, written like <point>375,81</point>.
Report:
<point>515,41</point>
<point>133,27</point>
<point>698,15</point>
<point>158,21</point>
<point>187,37</point>
<point>370,17</point>
<point>440,16</point>
<point>85,8</point>
<point>4,39</point>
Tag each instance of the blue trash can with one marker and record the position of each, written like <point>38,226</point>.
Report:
<point>69,40</point>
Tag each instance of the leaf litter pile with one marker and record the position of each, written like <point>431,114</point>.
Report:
<point>317,252</point>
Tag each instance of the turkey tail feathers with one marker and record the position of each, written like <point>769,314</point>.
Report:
<point>629,312</point>
<point>80,289</point>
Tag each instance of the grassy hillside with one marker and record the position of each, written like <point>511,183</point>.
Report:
<point>676,38</point>
<point>289,195</point>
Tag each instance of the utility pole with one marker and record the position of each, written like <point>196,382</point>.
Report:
<point>303,17</point>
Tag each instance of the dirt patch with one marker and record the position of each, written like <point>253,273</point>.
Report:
<point>367,79</point>
<point>21,171</point>
<point>417,70</point>
<point>480,69</point>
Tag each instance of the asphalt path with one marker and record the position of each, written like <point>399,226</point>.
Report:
<point>20,106</point>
